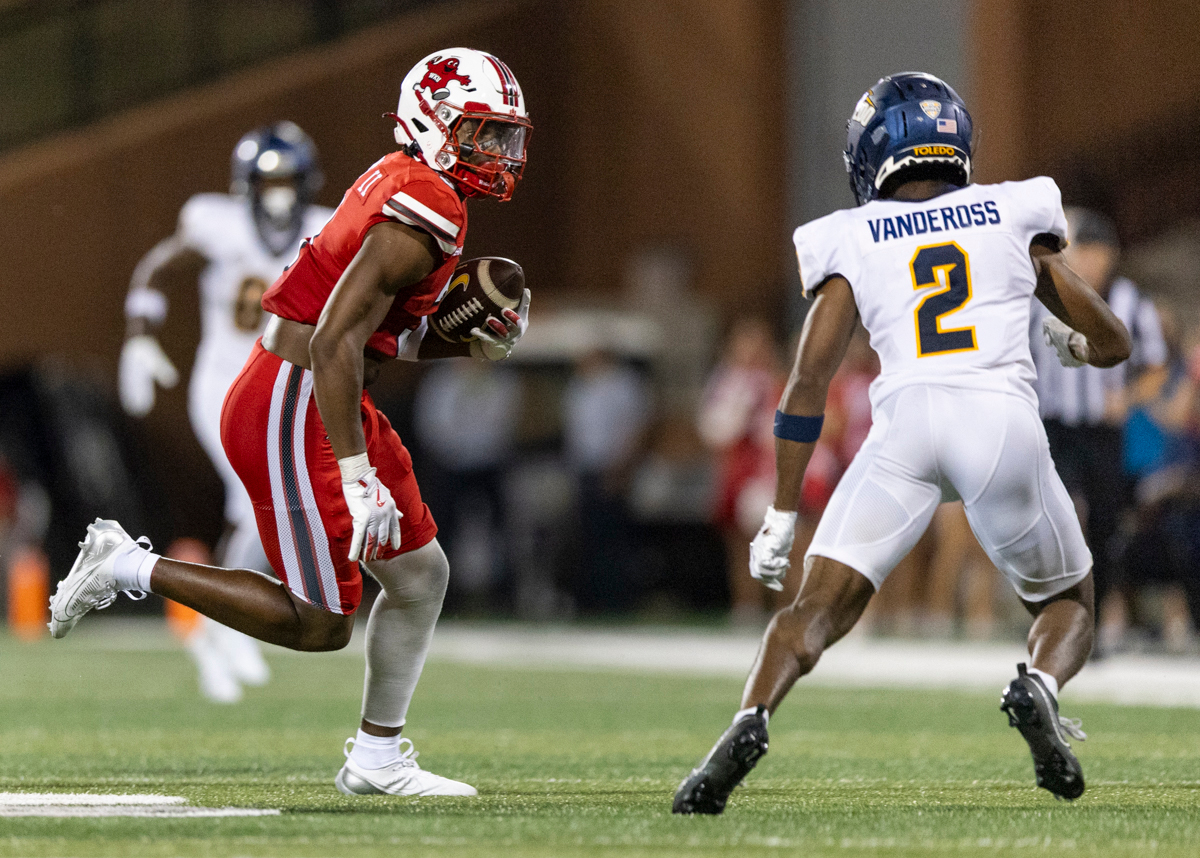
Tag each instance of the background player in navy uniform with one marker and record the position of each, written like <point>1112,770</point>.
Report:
<point>238,243</point>
<point>942,274</point>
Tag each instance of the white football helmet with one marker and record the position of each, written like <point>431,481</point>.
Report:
<point>462,112</point>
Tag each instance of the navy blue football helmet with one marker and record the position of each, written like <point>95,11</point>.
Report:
<point>276,166</point>
<point>911,122</point>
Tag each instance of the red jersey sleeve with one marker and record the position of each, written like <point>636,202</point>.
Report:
<point>429,206</point>
<point>396,188</point>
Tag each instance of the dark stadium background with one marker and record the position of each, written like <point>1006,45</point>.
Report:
<point>702,129</point>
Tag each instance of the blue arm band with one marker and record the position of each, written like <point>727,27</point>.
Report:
<point>804,430</point>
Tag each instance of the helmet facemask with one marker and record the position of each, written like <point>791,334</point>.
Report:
<point>276,169</point>
<point>278,205</point>
<point>485,153</point>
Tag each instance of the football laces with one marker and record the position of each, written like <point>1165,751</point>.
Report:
<point>460,315</point>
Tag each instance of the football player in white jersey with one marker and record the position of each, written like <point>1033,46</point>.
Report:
<point>942,273</point>
<point>239,242</point>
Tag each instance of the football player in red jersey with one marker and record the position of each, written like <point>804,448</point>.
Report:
<point>331,483</point>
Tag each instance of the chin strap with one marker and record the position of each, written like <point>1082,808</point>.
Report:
<point>412,149</point>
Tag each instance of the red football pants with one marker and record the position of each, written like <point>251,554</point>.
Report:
<point>274,438</point>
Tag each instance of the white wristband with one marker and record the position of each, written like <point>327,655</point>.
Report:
<point>354,468</point>
<point>1077,345</point>
<point>780,518</point>
<point>142,302</point>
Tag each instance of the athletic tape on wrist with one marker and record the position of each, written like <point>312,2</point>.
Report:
<point>792,427</point>
<point>354,468</point>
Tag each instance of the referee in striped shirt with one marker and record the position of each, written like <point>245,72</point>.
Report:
<point>1084,408</point>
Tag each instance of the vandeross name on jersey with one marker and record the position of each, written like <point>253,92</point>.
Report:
<point>934,220</point>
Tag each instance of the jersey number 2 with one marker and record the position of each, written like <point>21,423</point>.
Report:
<point>944,267</point>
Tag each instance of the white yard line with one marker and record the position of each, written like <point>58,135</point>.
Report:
<point>89,799</point>
<point>76,804</point>
<point>148,811</point>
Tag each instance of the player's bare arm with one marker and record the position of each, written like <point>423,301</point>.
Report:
<point>823,343</point>
<point>392,257</point>
<point>144,365</point>
<point>169,262</point>
<point>1079,306</point>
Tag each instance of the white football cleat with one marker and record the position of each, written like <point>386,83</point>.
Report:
<point>403,777</point>
<point>242,653</point>
<point>90,584</point>
<point>217,681</point>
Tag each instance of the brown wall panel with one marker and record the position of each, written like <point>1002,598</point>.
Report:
<point>1000,108</point>
<point>1072,76</point>
<point>683,105</point>
<point>1104,95</point>
<point>1108,68</point>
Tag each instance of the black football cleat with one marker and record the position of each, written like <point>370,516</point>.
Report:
<point>1032,709</point>
<point>740,747</point>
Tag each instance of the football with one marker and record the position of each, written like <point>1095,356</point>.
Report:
<point>479,288</point>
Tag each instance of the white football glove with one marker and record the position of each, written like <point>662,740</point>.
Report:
<point>769,551</point>
<point>490,344</point>
<point>376,519</point>
<point>1069,343</point>
<point>143,364</point>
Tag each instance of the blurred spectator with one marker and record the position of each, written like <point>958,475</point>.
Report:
<point>1084,408</point>
<point>1161,536</point>
<point>606,411</point>
<point>736,421</point>
<point>466,416</point>
<point>8,503</point>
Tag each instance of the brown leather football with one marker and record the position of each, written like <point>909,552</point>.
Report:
<point>479,288</point>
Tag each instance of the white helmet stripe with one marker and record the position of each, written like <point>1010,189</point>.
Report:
<point>508,80</point>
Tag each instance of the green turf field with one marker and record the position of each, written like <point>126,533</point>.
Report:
<point>568,764</point>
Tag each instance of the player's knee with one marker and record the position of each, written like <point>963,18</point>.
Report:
<point>327,639</point>
<point>435,572</point>
<point>322,631</point>
<point>420,576</point>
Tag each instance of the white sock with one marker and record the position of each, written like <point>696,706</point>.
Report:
<point>1049,681</point>
<point>375,752</point>
<point>132,566</point>
<point>742,713</point>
